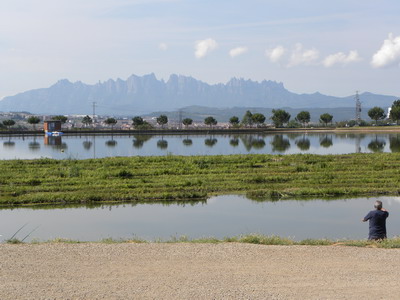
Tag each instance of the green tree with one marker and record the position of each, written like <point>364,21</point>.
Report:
<point>258,118</point>
<point>137,121</point>
<point>33,120</point>
<point>247,119</point>
<point>87,121</point>
<point>303,117</point>
<point>376,113</point>
<point>325,118</point>
<point>187,122</point>
<point>9,123</point>
<point>162,120</point>
<point>110,121</point>
<point>395,112</point>
<point>61,118</point>
<point>280,117</point>
<point>210,121</point>
<point>234,121</point>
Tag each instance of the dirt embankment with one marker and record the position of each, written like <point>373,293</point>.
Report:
<point>197,271</point>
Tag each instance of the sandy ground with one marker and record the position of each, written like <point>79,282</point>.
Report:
<point>197,271</point>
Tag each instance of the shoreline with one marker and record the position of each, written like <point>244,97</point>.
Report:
<point>204,131</point>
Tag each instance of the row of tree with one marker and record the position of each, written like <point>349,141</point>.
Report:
<point>279,117</point>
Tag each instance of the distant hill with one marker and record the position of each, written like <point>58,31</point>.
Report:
<point>139,95</point>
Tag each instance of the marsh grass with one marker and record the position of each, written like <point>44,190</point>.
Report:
<point>177,178</point>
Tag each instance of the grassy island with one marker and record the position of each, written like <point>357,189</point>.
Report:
<point>118,179</point>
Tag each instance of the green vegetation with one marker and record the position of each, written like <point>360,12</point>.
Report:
<point>258,119</point>
<point>162,120</point>
<point>376,113</point>
<point>325,118</point>
<point>61,118</point>
<point>110,121</point>
<point>248,239</point>
<point>234,121</point>
<point>8,123</point>
<point>33,120</point>
<point>87,120</point>
<point>174,178</point>
<point>187,122</point>
<point>395,111</point>
<point>303,117</point>
<point>210,121</point>
<point>280,117</point>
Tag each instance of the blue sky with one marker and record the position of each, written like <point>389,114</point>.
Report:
<point>333,47</point>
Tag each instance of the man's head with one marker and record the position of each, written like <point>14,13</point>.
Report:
<point>378,205</point>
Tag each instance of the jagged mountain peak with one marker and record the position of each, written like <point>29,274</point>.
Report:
<point>140,94</point>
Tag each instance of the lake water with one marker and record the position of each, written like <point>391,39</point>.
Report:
<point>219,217</point>
<point>96,146</point>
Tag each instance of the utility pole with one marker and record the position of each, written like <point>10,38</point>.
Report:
<point>180,119</point>
<point>94,110</point>
<point>358,108</point>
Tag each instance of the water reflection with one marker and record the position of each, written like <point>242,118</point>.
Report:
<point>84,146</point>
<point>111,143</point>
<point>210,142</point>
<point>234,142</point>
<point>303,143</point>
<point>394,142</point>
<point>326,141</point>
<point>139,140</point>
<point>219,217</point>
<point>162,144</point>
<point>9,144</point>
<point>55,142</point>
<point>376,145</point>
<point>253,141</point>
<point>187,142</point>
<point>280,144</point>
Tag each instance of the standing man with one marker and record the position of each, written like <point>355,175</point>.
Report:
<point>377,222</point>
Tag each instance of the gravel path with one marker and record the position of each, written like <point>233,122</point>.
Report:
<point>197,271</point>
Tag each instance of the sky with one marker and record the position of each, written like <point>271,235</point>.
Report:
<point>332,47</point>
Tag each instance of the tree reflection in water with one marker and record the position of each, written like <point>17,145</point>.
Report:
<point>326,141</point>
<point>303,143</point>
<point>87,145</point>
<point>210,142</point>
<point>234,142</point>
<point>252,141</point>
<point>162,144</point>
<point>377,145</point>
<point>280,144</point>
<point>187,142</point>
<point>139,140</point>
<point>111,143</point>
<point>394,142</point>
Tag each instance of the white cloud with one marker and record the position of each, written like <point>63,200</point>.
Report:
<point>302,56</point>
<point>163,46</point>
<point>204,47</point>
<point>341,58</point>
<point>237,51</point>
<point>276,54</point>
<point>389,54</point>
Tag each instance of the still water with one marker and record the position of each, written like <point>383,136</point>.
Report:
<point>96,146</point>
<point>219,217</point>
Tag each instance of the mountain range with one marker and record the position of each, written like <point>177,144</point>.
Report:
<point>144,94</point>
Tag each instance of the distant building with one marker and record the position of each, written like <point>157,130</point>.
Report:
<point>51,126</point>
